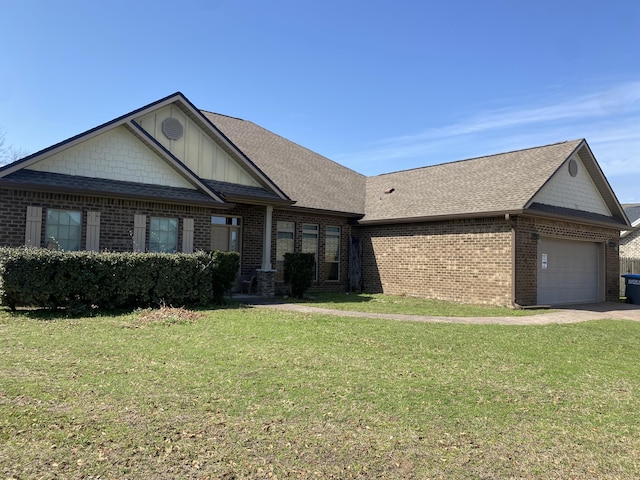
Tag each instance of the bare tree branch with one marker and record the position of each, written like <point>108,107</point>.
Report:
<point>9,153</point>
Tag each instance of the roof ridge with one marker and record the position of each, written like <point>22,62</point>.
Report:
<point>223,115</point>
<point>478,158</point>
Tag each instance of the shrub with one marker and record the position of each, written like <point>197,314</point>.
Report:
<point>81,280</point>
<point>226,269</point>
<point>298,272</point>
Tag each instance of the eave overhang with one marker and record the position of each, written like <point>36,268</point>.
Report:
<point>133,194</point>
<point>440,218</point>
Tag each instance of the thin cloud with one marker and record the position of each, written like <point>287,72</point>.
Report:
<point>609,120</point>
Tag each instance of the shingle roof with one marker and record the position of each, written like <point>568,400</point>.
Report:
<point>100,186</point>
<point>497,183</point>
<point>310,179</point>
<point>234,192</point>
<point>633,211</point>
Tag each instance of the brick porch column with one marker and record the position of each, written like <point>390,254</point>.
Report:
<point>266,283</point>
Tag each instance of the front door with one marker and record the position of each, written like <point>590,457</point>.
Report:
<point>226,236</point>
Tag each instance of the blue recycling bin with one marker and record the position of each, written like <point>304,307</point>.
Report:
<point>632,288</point>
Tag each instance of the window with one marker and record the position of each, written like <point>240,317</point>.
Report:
<point>284,244</point>
<point>310,244</point>
<point>226,221</point>
<point>225,233</point>
<point>332,254</point>
<point>163,235</point>
<point>63,229</point>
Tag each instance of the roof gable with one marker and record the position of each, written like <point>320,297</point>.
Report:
<point>497,183</point>
<point>195,145</point>
<point>571,186</point>
<point>484,186</point>
<point>240,165</point>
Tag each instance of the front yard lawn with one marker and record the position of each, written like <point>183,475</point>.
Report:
<point>253,393</point>
<point>381,303</point>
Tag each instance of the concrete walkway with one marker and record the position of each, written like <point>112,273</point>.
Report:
<point>570,314</point>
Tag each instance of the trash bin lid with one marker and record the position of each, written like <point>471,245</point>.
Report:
<point>635,276</point>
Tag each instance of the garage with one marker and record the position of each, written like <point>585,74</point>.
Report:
<point>568,272</point>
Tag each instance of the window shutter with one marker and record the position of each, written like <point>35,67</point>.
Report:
<point>187,235</point>
<point>93,231</point>
<point>139,232</point>
<point>33,227</point>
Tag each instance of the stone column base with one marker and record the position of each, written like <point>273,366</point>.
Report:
<point>266,284</point>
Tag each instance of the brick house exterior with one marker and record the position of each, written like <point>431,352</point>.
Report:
<point>491,230</point>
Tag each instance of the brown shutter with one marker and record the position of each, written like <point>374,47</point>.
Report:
<point>93,231</point>
<point>139,232</point>
<point>187,235</point>
<point>33,227</point>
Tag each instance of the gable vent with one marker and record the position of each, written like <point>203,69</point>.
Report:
<point>573,167</point>
<point>172,128</point>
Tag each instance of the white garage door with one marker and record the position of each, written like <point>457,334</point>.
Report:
<point>568,272</point>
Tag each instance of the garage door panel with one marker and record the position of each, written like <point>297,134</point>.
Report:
<point>568,271</point>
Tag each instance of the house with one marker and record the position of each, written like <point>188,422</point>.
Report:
<point>630,239</point>
<point>536,226</point>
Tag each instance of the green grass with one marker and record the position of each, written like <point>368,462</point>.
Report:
<point>254,393</point>
<point>380,303</point>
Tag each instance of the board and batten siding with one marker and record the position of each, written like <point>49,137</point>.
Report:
<point>195,148</point>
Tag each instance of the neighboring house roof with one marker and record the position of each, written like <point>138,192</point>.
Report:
<point>313,181</point>
<point>633,212</point>
<point>496,184</point>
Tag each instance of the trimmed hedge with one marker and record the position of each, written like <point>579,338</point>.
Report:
<point>54,279</point>
<point>298,272</point>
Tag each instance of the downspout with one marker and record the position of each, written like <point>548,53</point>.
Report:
<point>508,218</point>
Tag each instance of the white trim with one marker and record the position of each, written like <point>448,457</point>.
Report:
<point>266,244</point>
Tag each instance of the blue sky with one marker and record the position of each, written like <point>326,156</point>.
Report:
<point>375,85</point>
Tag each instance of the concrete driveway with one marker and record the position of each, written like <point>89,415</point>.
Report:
<point>568,314</point>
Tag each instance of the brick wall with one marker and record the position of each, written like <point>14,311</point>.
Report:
<point>471,261</point>
<point>630,245</point>
<point>528,229</point>
<point>117,216</point>
<point>466,261</point>
<point>116,220</point>
<point>300,218</point>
